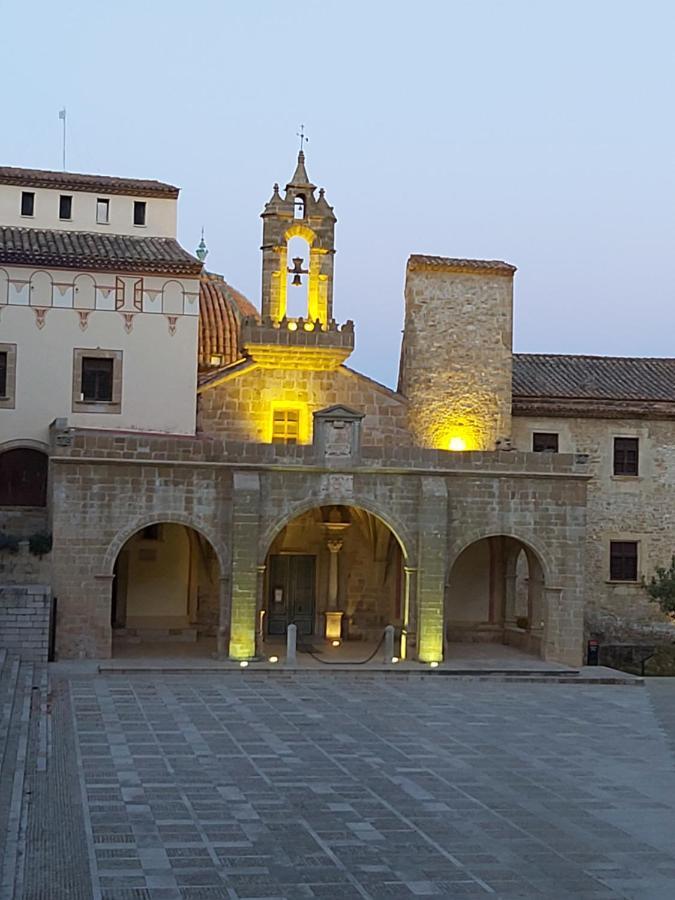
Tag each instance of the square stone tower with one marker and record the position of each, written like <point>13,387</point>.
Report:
<point>456,355</point>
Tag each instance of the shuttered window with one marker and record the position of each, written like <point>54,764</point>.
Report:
<point>97,379</point>
<point>623,561</point>
<point>626,456</point>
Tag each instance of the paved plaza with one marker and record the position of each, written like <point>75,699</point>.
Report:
<point>335,786</point>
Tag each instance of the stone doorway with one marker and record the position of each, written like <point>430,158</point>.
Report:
<point>351,590</point>
<point>495,593</point>
<point>165,593</point>
<point>292,593</point>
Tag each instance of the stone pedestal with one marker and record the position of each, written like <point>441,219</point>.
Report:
<point>334,624</point>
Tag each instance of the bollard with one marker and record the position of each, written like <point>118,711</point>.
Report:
<point>389,632</point>
<point>291,641</point>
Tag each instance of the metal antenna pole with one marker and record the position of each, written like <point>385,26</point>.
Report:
<point>62,116</point>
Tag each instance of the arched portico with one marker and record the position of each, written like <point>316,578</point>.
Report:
<point>335,568</point>
<point>497,590</point>
<point>166,589</point>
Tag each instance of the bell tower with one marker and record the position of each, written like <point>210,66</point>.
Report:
<point>312,340</point>
<point>298,214</point>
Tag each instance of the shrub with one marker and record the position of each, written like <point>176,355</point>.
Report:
<point>40,543</point>
<point>661,587</point>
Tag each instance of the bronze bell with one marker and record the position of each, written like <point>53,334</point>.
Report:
<point>297,271</point>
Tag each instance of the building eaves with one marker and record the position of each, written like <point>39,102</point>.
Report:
<point>91,250</point>
<point>420,261</point>
<point>74,181</point>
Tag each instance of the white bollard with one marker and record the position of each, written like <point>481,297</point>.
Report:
<point>291,641</point>
<point>389,632</point>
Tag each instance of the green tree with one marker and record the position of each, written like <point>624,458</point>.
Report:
<point>661,587</point>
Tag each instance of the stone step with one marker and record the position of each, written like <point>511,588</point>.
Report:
<point>141,635</point>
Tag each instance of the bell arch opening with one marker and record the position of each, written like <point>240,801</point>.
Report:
<point>495,593</point>
<point>336,572</point>
<point>165,593</point>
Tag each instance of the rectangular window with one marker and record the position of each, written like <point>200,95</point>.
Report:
<point>285,426</point>
<point>97,379</point>
<point>623,561</point>
<point>626,452</point>
<point>545,442</point>
<point>27,203</point>
<point>65,206</point>
<point>103,211</point>
<point>139,212</point>
<point>7,376</point>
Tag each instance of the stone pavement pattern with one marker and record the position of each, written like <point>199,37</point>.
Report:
<point>332,786</point>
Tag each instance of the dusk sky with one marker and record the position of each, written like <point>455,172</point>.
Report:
<point>538,133</point>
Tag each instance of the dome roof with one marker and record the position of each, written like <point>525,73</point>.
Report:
<point>221,309</point>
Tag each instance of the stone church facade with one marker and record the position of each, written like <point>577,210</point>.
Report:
<point>210,472</point>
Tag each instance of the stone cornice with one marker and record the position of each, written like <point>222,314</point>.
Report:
<point>418,262</point>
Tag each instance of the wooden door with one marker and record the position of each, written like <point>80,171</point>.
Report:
<point>292,582</point>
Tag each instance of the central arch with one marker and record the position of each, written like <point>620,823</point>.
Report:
<point>336,571</point>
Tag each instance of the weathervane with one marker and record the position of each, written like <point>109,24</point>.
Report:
<point>303,137</point>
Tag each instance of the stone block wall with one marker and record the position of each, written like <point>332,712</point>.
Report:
<point>620,508</point>
<point>240,496</point>
<point>100,502</point>
<point>24,567</point>
<point>240,407</point>
<point>456,357</point>
<point>24,620</point>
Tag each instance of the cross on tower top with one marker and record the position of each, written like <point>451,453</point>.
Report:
<point>303,137</point>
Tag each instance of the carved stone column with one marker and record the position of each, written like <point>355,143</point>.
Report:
<point>334,529</point>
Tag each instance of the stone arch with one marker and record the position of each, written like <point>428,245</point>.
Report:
<point>299,229</point>
<point>534,547</point>
<point>482,601</point>
<point>393,524</point>
<point>124,534</point>
<point>28,443</point>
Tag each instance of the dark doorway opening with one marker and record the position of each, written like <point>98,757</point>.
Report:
<point>292,589</point>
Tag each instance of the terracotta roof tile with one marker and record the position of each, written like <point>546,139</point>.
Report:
<point>221,309</point>
<point>569,377</point>
<point>447,264</point>
<point>80,249</point>
<point>73,181</point>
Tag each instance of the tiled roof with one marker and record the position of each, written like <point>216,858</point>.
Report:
<point>73,181</point>
<point>572,377</point>
<point>221,309</point>
<point>80,249</point>
<point>447,264</point>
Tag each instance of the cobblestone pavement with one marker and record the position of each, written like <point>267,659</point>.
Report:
<point>324,786</point>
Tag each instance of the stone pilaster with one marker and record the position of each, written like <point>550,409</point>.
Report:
<point>245,528</point>
<point>433,543</point>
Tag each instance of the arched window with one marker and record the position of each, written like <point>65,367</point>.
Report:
<point>299,207</point>
<point>23,477</point>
